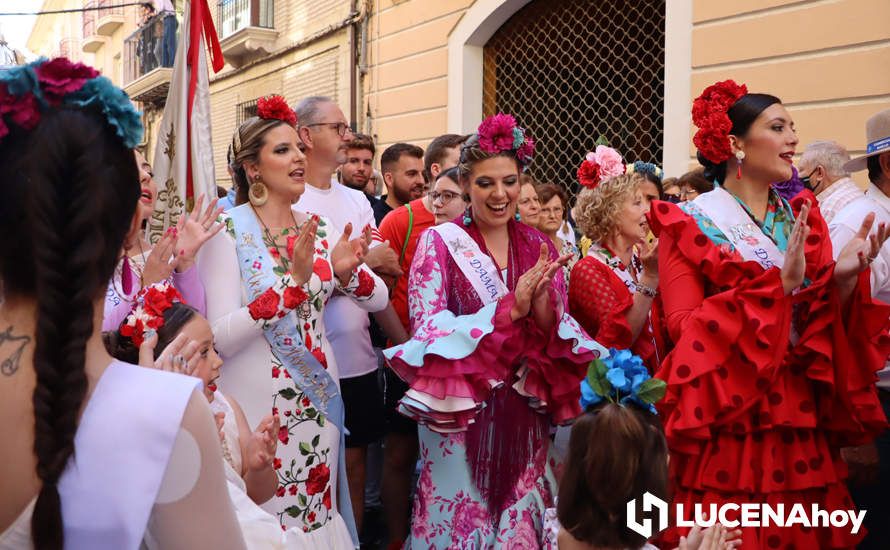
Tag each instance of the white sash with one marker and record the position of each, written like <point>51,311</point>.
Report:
<point>731,219</point>
<point>123,444</point>
<point>476,266</point>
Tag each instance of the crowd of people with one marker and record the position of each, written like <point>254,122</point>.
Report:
<point>446,353</point>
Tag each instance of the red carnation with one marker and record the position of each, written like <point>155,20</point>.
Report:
<point>365,284</point>
<point>265,306</point>
<point>60,77</point>
<point>294,296</point>
<point>589,174</point>
<point>322,268</point>
<point>318,479</point>
<point>275,106</point>
<point>710,115</point>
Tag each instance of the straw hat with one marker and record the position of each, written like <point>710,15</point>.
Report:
<point>877,135</point>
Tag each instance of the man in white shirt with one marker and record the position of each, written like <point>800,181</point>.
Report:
<point>871,463</point>
<point>326,136</point>
<point>821,167</point>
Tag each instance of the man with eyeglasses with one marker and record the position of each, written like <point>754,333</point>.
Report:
<point>821,169</point>
<point>326,136</point>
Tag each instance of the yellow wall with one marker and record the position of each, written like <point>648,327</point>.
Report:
<point>829,61</point>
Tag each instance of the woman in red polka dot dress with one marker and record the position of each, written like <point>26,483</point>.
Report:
<point>776,345</point>
<point>612,288</point>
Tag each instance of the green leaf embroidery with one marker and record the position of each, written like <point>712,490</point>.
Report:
<point>305,449</point>
<point>301,498</point>
<point>311,460</point>
<point>315,440</point>
<point>652,390</point>
<point>279,271</point>
<point>310,412</point>
<point>287,393</point>
<point>292,511</point>
<point>320,421</point>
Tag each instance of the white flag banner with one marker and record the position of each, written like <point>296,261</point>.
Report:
<point>183,157</point>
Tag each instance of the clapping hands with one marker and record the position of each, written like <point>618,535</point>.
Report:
<point>263,443</point>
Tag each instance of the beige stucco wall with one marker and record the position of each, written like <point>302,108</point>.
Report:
<point>829,61</point>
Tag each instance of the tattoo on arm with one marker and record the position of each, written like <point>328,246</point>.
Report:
<point>10,365</point>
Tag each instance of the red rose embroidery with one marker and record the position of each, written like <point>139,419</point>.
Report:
<point>318,479</point>
<point>310,517</point>
<point>275,372</point>
<point>305,402</point>
<point>322,268</point>
<point>277,463</point>
<point>291,239</point>
<point>283,436</point>
<point>292,489</point>
<point>326,500</point>
<point>322,358</point>
<point>294,296</point>
<point>365,284</point>
<point>280,491</point>
<point>265,306</point>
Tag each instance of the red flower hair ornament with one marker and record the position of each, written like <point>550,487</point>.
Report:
<point>275,107</point>
<point>599,165</point>
<point>710,113</point>
<point>148,311</point>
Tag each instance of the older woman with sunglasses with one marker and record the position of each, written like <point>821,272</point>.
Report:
<point>449,200</point>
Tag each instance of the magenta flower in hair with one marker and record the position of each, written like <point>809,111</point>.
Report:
<point>496,133</point>
<point>59,77</point>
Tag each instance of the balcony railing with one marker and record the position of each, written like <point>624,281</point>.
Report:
<point>89,18</point>
<point>69,47</point>
<point>234,15</point>
<point>151,47</point>
<point>110,17</point>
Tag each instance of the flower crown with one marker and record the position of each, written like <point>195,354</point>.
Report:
<point>275,107</point>
<point>640,167</point>
<point>621,378</point>
<point>500,133</point>
<point>599,165</point>
<point>710,113</point>
<point>28,90</point>
<point>148,311</point>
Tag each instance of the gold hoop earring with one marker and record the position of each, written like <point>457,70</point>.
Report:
<point>258,194</point>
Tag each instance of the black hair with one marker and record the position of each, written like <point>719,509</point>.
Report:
<point>874,168</point>
<point>452,173</point>
<point>654,180</point>
<point>69,193</point>
<point>394,152</point>
<point>438,149</point>
<point>175,317</point>
<point>742,114</point>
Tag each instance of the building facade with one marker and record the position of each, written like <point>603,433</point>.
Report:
<point>573,71</point>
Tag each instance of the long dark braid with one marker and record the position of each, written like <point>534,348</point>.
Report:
<point>79,187</point>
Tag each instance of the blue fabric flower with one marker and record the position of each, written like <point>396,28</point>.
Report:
<point>115,105</point>
<point>20,80</point>
<point>620,378</point>
<point>589,397</point>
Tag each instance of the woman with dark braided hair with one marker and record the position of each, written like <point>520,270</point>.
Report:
<point>104,466</point>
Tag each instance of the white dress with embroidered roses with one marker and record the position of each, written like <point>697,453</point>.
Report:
<point>308,444</point>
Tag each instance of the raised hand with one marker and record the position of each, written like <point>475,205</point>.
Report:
<point>263,443</point>
<point>649,257</point>
<point>861,250</point>
<point>195,229</point>
<point>527,285</point>
<point>384,261</point>
<point>301,260</point>
<point>349,254</point>
<point>180,356</point>
<point>158,264</point>
<point>795,262</point>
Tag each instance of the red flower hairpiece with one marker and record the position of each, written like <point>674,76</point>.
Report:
<point>710,114</point>
<point>148,311</point>
<point>601,164</point>
<point>275,107</point>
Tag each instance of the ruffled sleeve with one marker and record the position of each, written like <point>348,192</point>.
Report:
<point>754,370</point>
<point>598,303</point>
<point>453,362</point>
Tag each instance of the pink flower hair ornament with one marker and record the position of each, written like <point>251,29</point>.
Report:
<point>148,310</point>
<point>600,165</point>
<point>500,133</point>
<point>27,91</point>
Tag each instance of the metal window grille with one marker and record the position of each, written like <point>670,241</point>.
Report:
<point>245,110</point>
<point>574,71</point>
<point>234,15</point>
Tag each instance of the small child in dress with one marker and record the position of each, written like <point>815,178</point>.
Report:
<point>617,452</point>
<point>180,340</point>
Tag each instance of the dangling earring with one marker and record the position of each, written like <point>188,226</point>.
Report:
<point>740,156</point>
<point>258,194</point>
<point>517,216</point>
<point>126,276</point>
<point>467,219</point>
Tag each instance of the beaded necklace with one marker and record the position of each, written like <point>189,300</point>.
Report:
<point>271,242</point>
